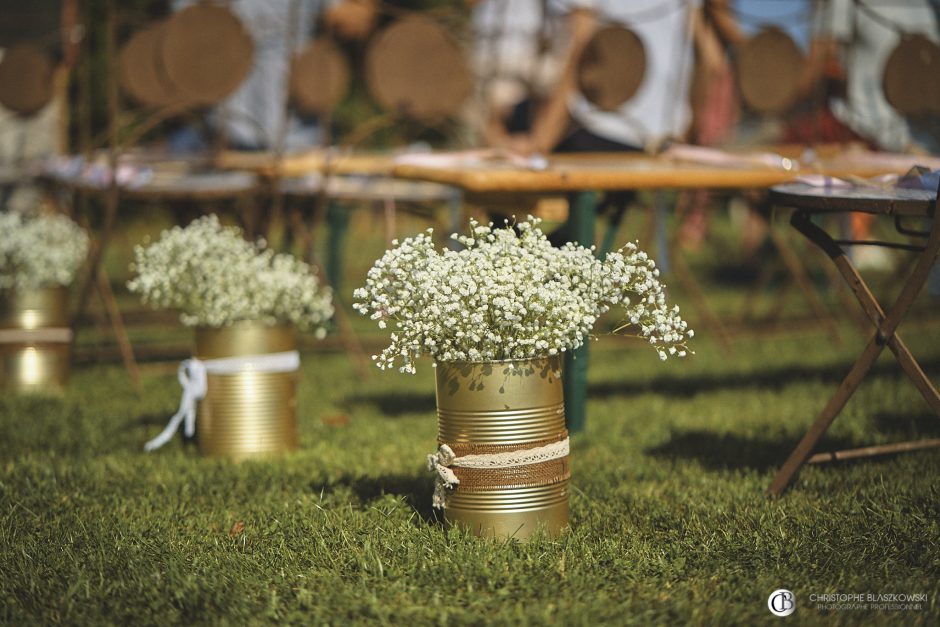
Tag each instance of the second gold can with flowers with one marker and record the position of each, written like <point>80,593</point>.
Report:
<point>248,413</point>
<point>504,421</point>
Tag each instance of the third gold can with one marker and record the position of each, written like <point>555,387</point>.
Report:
<point>35,340</point>
<point>249,413</point>
<point>504,405</point>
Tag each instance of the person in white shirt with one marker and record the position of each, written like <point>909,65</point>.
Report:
<point>515,61</point>
<point>251,118</point>
<point>660,109</point>
<point>863,33</point>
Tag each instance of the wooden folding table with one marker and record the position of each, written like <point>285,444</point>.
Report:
<point>902,205</point>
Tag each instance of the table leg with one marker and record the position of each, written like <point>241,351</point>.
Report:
<point>848,386</point>
<point>96,281</point>
<point>455,217</point>
<point>885,335</point>
<point>581,226</point>
<point>337,225</point>
<point>886,324</point>
<point>389,211</point>
<point>660,216</point>
<point>103,285</point>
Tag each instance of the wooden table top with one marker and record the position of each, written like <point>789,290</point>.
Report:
<point>300,164</point>
<point>680,170</point>
<point>194,186</point>
<point>883,201</point>
<point>367,188</point>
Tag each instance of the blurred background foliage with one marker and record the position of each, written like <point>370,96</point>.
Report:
<point>38,21</point>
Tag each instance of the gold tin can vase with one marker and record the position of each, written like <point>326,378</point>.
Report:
<point>249,413</point>
<point>498,407</point>
<point>35,340</point>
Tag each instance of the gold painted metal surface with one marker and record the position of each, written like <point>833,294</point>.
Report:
<point>34,366</point>
<point>34,309</point>
<point>510,513</point>
<point>512,403</point>
<point>500,402</point>
<point>247,414</point>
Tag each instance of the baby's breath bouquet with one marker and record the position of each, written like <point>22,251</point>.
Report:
<point>510,295</point>
<point>45,250</point>
<point>214,277</point>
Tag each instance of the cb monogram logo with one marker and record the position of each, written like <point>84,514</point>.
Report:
<point>781,602</point>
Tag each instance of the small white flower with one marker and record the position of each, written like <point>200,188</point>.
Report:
<point>510,295</point>
<point>38,251</point>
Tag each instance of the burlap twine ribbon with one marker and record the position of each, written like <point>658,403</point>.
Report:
<point>480,467</point>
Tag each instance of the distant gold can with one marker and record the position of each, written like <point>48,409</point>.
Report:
<point>35,340</point>
<point>249,413</point>
<point>504,406</point>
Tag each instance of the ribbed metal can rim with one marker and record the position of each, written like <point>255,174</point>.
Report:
<point>510,499</point>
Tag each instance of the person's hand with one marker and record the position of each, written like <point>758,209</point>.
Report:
<point>352,19</point>
<point>520,144</point>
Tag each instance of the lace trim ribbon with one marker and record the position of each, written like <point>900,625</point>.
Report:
<point>442,461</point>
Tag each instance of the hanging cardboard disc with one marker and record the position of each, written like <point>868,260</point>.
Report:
<point>25,79</point>
<point>414,67</point>
<point>912,76</point>
<point>206,52</point>
<point>319,77</point>
<point>140,74</point>
<point>611,68</point>
<point>768,68</point>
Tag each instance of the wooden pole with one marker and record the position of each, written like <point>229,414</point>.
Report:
<point>97,279</point>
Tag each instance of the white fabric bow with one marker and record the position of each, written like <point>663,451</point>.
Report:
<point>192,375</point>
<point>446,479</point>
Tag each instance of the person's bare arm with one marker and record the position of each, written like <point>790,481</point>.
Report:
<point>352,19</point>
<point>722,16</point>
<point>708,47</point>
<point>822,50</point>
<point>552,119</point>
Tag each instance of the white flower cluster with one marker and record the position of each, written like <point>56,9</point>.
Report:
<point>44,250</point>
<point>215,277</point>
<point>510,295</point>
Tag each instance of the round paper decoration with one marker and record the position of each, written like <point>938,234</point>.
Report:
<point>612,67</point>
<point>206,52</point>
<point>912,76</point>
<point>319,77</point>
<point>768,67</point>
<point>414,67</point>
<point>140,73</point>
<point>25,79</point>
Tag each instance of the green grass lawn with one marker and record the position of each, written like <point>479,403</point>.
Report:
<point>670,522</point>
<point>669,517</point>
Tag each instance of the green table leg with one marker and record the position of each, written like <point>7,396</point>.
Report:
<point>337,225</point>
<point>581,226</point>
